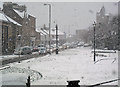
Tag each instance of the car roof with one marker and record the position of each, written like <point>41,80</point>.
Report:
<point>42,48</point>
<point>25,47</point>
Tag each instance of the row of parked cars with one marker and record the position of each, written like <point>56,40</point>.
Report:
<point>41,49</point>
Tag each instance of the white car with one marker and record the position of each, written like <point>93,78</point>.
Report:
<point>42,50</point>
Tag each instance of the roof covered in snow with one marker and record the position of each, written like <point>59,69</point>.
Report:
<point>21,14</point>
<point>11,20</point>
<point>4,17</point>
<point>53,32</point>
<point>43,32</point>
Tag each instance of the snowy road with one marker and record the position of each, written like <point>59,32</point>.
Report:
<point>73,64</point>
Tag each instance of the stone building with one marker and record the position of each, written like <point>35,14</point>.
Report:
<point>34,35</point>
<point>29,36</point>
<point>9,29</point>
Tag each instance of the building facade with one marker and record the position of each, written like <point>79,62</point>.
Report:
<point>9,29</point>
<point>28,35</point>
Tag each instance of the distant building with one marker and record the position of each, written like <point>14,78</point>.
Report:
<point>102,17</point>
<point>45,36</point>
<point>81,35</point>
<point>61,36</point>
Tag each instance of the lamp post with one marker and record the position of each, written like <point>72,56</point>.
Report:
<point>94,25</point>
<point>19,38</point>
<point>49,25</point>
<point>56,39</point>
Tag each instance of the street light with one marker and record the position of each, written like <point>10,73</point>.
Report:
<point>49,24</point>
<point>19,38</point>
<point>94,25</point>
<point>56,39</point>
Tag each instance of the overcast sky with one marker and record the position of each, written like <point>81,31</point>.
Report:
<point>69,15</point>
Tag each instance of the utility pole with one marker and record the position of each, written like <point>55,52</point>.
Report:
<point>94,25</point>
<point>56,39</point>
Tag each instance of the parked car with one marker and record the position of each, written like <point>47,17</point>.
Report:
<point>42,50</point>
<point>35,49</point>
<point>41,45</point>
<point>31,47</point>
<point>50,50</point>
<point>80,44</point>
<point>87,45</point>
<point>66,45</point>
<point>23,50</point>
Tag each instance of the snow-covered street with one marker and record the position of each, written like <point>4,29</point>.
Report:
<point>56,43</point>
<point>73,64</point>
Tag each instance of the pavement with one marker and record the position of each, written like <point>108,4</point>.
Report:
<point>6,59</point>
